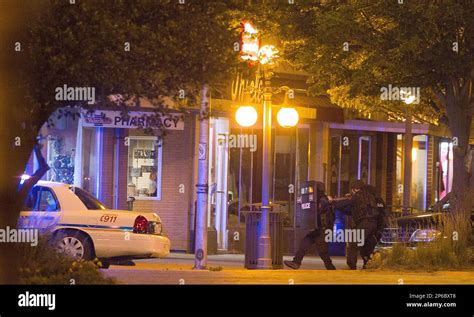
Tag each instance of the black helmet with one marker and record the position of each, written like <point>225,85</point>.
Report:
<point>320,187</point>
<point>357,184</point>
<point>370,189</point>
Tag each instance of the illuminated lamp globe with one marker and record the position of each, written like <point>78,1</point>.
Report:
<point>268,54</point>
<point>409,99</point>
<point>246,116</point>
<point>407,96</point>
<point>287,117</point>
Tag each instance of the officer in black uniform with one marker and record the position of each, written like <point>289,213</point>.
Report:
<point>326,220</point>
<point>382,220</point>
<point>362,208</point>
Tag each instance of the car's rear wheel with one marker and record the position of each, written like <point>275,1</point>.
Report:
<point>74,244</point>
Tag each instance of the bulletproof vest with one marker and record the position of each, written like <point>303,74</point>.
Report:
<point>380,205</point>
<point>326,213</point>
<point>365,206</point>
<point>382,217</point>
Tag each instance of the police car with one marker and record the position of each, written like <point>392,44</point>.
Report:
<point>83,228</point>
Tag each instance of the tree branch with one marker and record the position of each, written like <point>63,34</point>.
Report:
<point>369,23</point>
<point>439,95</point>
<point>455,86</point>
<point>466,90</point>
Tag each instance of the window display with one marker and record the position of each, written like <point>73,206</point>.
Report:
<point>144,168</point>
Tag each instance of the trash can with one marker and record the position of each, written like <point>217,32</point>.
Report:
<point>252,228</point>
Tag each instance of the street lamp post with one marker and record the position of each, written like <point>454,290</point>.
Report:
<point>287,118</point>
<point>408,161</point>
<point>407,167</point>
<point>264,243</point>
<point>265,56</point>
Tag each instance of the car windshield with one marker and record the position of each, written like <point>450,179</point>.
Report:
<point>88,199</point>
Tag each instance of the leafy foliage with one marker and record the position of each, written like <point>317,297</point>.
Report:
<point>43,265</point>
<point>125,49</point>
<point>148,49</point>
<point>352,49</point>
<point>454,249</point>
<point>406,45</point>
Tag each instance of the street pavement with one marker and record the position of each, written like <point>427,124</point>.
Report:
<point>177,269</point>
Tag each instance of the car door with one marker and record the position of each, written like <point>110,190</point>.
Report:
<point>42,210</point>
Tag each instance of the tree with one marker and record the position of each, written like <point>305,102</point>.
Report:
<point>354,49</point>
<point>150,49</point>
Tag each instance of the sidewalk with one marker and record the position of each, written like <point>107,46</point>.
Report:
<point>177,269</point>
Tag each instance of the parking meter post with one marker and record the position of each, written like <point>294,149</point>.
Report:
<point>130,200</point>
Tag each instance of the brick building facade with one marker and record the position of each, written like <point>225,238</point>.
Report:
<point>104,168</point>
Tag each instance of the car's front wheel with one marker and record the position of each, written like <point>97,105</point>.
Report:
<point>74,244</point>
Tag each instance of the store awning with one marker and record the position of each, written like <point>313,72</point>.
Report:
<point>394,127</point>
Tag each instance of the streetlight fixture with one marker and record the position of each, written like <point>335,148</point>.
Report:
<point>287,117</point>
<point>245,116</point>
<point>408,98</point>
<point>267,55</point>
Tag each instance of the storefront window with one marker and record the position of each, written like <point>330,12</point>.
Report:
<point>419,157</point>
<point>350,160</point>
<point>90,161</point>
<point>59,140</point>
<point>144,168</point>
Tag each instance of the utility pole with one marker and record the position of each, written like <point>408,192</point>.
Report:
<point>200,254</point>
<point>407,167</point>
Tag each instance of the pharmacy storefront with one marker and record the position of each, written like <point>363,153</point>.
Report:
<point>113,157</point>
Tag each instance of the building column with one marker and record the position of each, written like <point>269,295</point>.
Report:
<point>430,171</point>
<point>318,151</point>
<point>78,156</point>
<point>99,139</point>
<point>391,172</point>
<point>221,168</point>
<point>116,166</point>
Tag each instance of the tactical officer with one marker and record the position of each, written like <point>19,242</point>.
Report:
<point>326,220</point>
<point>382,221</point>
<point>362,208</point>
